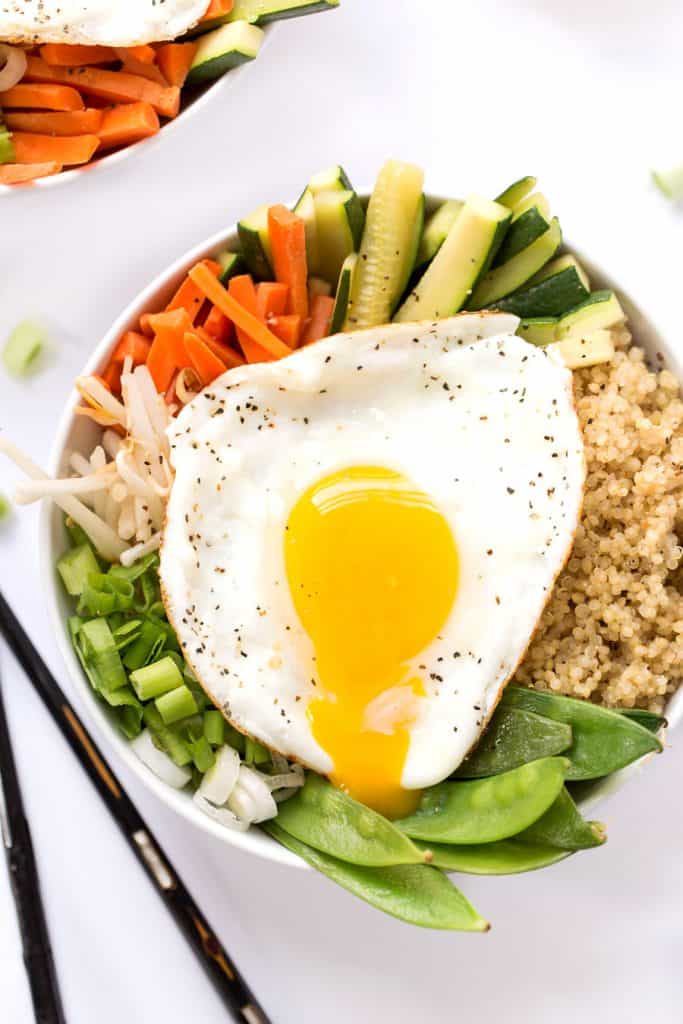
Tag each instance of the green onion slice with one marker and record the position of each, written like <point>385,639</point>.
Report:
<point>23,347</point>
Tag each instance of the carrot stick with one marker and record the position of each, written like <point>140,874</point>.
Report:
<point>204,361</point>
<point>226,353</point>
<point>17,174</point>
<point>218,326</point>
<point>133,65</point>
<point>288,242</point>
<point>128,123</point>
<point>175,61</point>
<point>132,344</point>
<point>145,326</point>
<point>44,97</point>
<point>286,328</point>
<point>69,150</point>
<point>241,288</point>
<point>144,53</point>
<point>271,298</point>
<point>241,317</point>
<point>71,55</point>
<point>50,122</point>
<point>175,320</point>
<point>111,85</point>
<point>189,296</point>
<point>111,378</point>
<point>168,351</point>
<point>318,325</point>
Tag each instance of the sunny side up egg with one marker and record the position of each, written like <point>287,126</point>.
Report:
<point>97,22</point>
<point>360,540</point>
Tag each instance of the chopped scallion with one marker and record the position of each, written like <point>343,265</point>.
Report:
<point>5,508</point>
<point>157,679</point>
<point>255,752</point>
<point>670,181</point>
<point>75,567</point>
<point>214,728</point>
<point>165,738</point>
<point>104,594</point>
<point>202,754</point>
<point>23,347</point>
<point>147,647</point>
<point>125,633</point>
<point>127,711</point>
<point>77,534</point>
<point>99,651</point>
<point>176,704</point>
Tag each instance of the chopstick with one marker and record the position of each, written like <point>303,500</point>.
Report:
<point>229,983</point>
<point>23,872</point>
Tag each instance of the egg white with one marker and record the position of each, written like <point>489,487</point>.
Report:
<point>97,22</point>
<point>478,419</point>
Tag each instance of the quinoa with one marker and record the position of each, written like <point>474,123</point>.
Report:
<point>612,631</point>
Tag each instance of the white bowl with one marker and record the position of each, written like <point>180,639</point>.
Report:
<point>197,98</point>
<point>77,433</point>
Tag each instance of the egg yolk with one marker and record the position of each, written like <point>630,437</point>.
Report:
<point>372,566</point>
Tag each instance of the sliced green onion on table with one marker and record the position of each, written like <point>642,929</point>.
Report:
<point>23,348</point>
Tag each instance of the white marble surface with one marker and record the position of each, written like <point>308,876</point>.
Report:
<point>583,95</point>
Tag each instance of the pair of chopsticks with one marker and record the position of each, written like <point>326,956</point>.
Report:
<point>227,980</point>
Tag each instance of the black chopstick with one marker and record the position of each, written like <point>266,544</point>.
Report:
<point>227,980</point>
<point>23,873</point>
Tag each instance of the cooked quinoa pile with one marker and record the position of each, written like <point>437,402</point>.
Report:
<point>613,628</point>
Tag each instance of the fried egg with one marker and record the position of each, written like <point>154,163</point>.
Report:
<point>97,22</point>
<point>360,540</point>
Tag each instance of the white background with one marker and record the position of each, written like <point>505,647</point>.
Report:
<point>584,95</point>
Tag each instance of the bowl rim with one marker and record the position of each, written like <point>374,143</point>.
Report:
<point>202,98</point>
<point>156,291</point>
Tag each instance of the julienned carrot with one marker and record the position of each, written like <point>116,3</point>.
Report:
<point>174,320</point>
<point>71,55</point>
<point>133,345</point>
<point>203,360</point>
<point>145,326</point>
<point>168,352</point>
<point>69,149</point>
<point>218,326</point>
<point>112,378</point>
<point>271,299</point>
<point>44,96</point>
<point>288,243</point>
<point>241,289</point>
<point>127,123</point>
<point>17,174</point>
<point>143,52</point>
<point>175,61</point>
<point>240,316</point>
<point>55,122</point>
<point>226,353</point>
<point>318,325</point>
<point>117,86</point>
<point>287,328</point>
<point>134,65</point>
<point>189,296</point>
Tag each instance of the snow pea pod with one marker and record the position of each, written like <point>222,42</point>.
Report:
<point>514,737</point>
<point>562,826</point>
<point>648,719</point>
<point>325,818</point>
<point>485,810</point>
<point>415,893</point>
<point>506,857</point>
<point>603,740</point>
